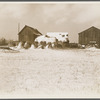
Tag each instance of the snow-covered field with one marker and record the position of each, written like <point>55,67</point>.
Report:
<point>50,73</point>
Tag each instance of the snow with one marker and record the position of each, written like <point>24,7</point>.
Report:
<point>40,38</point>
<point>57,34</point>
<point>19,45</point>
<point>32,47</point>
<point>46,39</point>
<point>50,73</point>
<point>61,36</point>
<point>92,49</point>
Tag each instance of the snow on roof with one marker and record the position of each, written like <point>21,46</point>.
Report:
<point>57,33</point>
<point>61,36</point>
<point>44,38</point>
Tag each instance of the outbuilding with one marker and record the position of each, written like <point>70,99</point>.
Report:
<point>90,36</point>
<point>28,34</point>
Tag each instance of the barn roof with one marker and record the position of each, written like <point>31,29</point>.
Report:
<point>91,28</point>
<point>35,31</point>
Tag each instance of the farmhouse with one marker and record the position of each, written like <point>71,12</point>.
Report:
<point>90,36</point>
<point>28,34</point>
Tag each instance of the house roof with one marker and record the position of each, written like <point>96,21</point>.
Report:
<point>90,29</point>
<point>35,31</point>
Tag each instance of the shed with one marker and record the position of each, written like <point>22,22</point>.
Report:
<point>90,36</point>
<point>28,34</point>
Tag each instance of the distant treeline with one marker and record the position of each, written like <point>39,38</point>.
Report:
<point>4,42</point>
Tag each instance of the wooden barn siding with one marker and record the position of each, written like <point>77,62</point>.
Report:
<point>89,35</point>
<point>98,37</point>
<point>27,35</point>
<point>80,38</point>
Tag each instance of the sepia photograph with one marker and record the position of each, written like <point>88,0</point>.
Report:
<point>50,49</point>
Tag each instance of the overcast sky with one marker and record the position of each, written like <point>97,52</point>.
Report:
<point>48,17</point>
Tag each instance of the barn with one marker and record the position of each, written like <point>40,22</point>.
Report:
<point>90,36</point>
<point>28,34</point>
